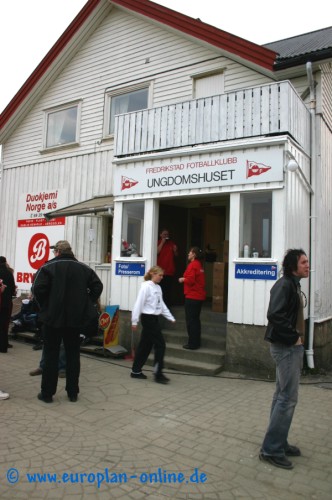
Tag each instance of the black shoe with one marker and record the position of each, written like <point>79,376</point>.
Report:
<point>37,347</point>
<point>46,399</point>
<point>193,348</point>
<point>292,451</point>
<point>10,345</point>
<point>161,379</point>
<point>281,462</point>
<point>138,375</point>
<point>72,398</point>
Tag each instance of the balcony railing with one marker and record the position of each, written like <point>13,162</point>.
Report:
<point>257,111</point>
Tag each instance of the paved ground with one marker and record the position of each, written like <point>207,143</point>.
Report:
<point>201,433</point>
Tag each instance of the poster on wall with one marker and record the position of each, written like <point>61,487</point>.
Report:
<point>35,234</point>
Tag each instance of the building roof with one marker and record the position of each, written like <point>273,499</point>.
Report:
<point>313,46</point>
<point>93,9</point>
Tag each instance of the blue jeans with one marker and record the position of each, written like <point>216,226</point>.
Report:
<point>289,362</point>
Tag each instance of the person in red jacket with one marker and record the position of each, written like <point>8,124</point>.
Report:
<point>167,250</point>
<point>194,291</point>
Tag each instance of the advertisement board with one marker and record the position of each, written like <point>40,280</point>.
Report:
<point>35,234</point>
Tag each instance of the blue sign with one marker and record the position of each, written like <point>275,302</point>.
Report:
<point>256,271</point>
<point>129,269</point>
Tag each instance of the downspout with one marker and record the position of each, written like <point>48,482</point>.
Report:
<point>313,217</point>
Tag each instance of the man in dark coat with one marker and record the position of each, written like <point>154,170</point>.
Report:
<point>6,301</point>
<point>66,292</point>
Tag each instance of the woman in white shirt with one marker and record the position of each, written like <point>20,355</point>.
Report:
<point>148,307</point>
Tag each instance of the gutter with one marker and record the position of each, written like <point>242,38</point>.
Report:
<point>313,218</point>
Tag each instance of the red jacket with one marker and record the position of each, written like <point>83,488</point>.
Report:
<point>194,281</point>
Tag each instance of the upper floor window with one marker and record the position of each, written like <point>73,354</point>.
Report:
<point>208,85</point>
<point>124,102</point>
<point>62,125</point>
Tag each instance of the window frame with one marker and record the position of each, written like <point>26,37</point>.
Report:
<point>250,232</point>
<point>57,109</point>
<point>122,91</point>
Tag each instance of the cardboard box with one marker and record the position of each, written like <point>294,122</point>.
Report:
<point>225,250</point>
<point>219,303</point>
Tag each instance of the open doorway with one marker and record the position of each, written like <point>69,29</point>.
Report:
<point>196,222</point>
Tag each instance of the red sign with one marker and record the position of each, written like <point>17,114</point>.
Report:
<point>38,250</point>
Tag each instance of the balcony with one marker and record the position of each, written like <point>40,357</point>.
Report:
<point>264,110</point>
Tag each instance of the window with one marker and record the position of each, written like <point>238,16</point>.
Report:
<point>132,229</point>
<point>255,224</point>
<point>209,85</point>
<point>125,102</point>
<point>62,125</point>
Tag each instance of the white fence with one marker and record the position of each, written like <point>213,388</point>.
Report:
<point>256,111</point>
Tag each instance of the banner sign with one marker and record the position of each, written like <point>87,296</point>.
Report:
<point>109,323</point>
<point>256,271</point>
<point>201,171</point>
<point>129,269</point>
<point>35,235</point>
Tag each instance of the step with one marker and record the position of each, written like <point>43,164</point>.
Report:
<point>180,337</point>
<point>188,366</point>
<point>203,354</point>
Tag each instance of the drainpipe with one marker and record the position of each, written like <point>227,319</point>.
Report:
<point>313,217</point>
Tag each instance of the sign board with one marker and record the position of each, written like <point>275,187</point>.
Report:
<point>129,268</point>
<point>109,323</point>
<point>204,171</point>
<point>256,271</point>
<point>35,234</point>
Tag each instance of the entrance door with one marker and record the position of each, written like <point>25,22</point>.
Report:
<point>175,219</point>
<point>203,226</point>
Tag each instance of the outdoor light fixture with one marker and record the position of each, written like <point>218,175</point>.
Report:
<point>292,165</point>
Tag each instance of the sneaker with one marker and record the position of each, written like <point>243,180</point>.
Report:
<point>161,379</point>
<point>292,451</point>
<point>17,322</point>
<point>281,462</point>
<point>46,399</point>
<point>37,371</point>
<point>138,375</point>
<point>4,395</point>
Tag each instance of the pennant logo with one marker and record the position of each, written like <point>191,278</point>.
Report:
<point>254,168</point>
<point>127,183</point>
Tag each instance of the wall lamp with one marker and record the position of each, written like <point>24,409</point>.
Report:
<point>291,165</point>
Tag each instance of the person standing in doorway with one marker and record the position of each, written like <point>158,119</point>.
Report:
<point>7,291</point>
<point>285,332</point>
<point>167,250</point>
<point>149,306</point>
<point>194,291</point>
<point>66,292</point>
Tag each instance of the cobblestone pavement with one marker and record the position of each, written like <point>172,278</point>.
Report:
<point>195,438</point>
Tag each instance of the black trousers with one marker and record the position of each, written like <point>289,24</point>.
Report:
<point>151,336</point>
<point>192,310</point>
<point>166,287</point>
<point>5,314</point>
<point>52,340</point>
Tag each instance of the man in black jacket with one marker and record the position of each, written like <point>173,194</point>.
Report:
<point>285,332</point>
<point>7,292</point>
<point>66,292</point>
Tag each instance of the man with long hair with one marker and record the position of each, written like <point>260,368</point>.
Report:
<point>285,332</point>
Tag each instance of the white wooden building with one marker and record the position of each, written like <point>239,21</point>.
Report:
<point>140,117</point>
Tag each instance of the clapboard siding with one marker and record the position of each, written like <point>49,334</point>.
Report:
<point>114,55</point>
<point>82,177</point>
<point>323,200</point>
